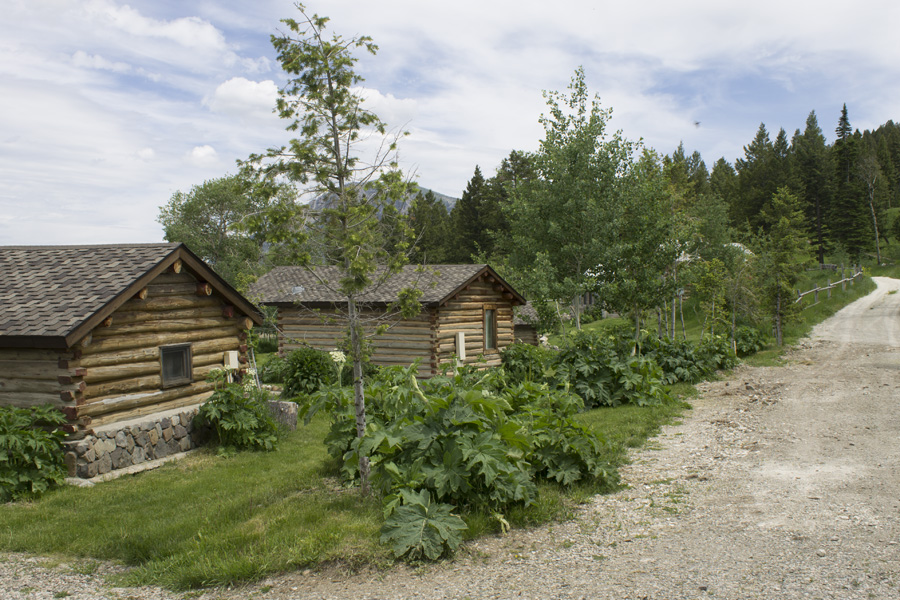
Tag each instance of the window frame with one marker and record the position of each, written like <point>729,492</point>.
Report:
<point>185,351</point>
<point>494,347</point>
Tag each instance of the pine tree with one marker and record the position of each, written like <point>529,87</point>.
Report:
<point>756,179</point>
<point>469,231</point>
<point>848,215</point>
<point>815,174</point>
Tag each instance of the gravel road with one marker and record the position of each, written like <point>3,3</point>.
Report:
<point>782,482</point>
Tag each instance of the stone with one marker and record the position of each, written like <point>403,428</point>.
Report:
<point>142,439</point>
<point>160,450</point>
<point>129,443</point>
<point>174,447</point>
<point>184,443</point>
<point>82,448</point>
<point>104,465</point>
<point>120,458</point>
<point>284,412</point>
<point>167,434</point>
<point>90,456</point>
<point>179,431</point>
<point>71,460</point>
<point>87,470</point>
<point>165,423</point>
<point>186,419</point>
<point>137,455</point>
<point>153,436</point>
<point>120,439</point>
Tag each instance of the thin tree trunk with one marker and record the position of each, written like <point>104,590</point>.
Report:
<point>778,336</point>
<point>875,225</point>
<point>359,398</point>
<point>681,313</point>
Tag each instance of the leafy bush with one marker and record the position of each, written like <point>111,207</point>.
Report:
<point>240,418</point>
<point>749,340</point>
<point>524,362</point>
<point>681,360</point>
<point>31,451</point>
<point>307,370</point>
<point>274,370</point>
<point>601,371</point>
<point>458,442</point>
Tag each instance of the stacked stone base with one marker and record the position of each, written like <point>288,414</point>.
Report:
<point>124,445</point>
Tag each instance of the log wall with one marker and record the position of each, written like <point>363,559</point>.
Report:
<point>33,377</point>
<point>120,360</point>
<point>400,345</point>
<point>465,312</point>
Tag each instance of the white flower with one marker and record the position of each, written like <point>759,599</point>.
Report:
<point>338,356</point>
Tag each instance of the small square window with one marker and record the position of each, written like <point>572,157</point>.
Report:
<point>490,329</point>
<point>175,365</point>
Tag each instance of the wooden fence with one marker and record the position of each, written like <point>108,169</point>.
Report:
<point>856,271</point>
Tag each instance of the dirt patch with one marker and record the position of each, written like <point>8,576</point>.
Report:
<point>781,482</point>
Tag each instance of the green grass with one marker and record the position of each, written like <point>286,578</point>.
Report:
<point>208,520</point>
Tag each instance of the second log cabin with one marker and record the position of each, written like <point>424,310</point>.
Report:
<point>466,316</point>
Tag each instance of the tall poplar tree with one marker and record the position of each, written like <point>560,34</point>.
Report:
<point>322,103</point>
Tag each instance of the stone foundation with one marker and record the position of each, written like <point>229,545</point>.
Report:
<point>123,445</point>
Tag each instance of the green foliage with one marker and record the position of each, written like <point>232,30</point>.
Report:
<point>31,451</point>
<point>471,441</point>
<point>524,362</point>
<point>749,340</point>
<point>420,528</point>
<point>683,361</point>
<point>240,417</point>
<point>306,370</point>
<point>601,371</point>
<point>274,371</point>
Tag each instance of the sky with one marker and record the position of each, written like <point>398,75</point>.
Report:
<point>109,107</point>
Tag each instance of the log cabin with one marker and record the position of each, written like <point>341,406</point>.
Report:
<point>524,320</point>
<point>466,316</point>
<point>114,335</point>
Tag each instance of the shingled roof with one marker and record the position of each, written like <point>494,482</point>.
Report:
<point>52,296</point>
<point>439,283</point>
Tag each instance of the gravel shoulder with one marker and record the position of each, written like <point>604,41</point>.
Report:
<point>781,482</point>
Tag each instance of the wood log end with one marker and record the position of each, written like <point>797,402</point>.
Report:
<point>242,348</point>
<point>228,311</point>
<point>204,289</point>
<point>141,295</point>
<point>107,322</point>
<point>176,266</point>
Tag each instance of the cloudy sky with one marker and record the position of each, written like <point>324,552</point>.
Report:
<point>107,107</point>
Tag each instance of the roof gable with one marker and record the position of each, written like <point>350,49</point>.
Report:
<point>439,283</point>
<point>51,296</point>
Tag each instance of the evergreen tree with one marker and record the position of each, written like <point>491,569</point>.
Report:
<point>756,179</point>
<point>430,222</point>
<point>848,220</point>
<point>815,173</point>
<point>723,183</point>
<point>469,230</point>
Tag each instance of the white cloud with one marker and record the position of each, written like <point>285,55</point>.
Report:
<point>93,61</point>
<point>240,97</point>
<point>203,155</point>
<point>146,154</point>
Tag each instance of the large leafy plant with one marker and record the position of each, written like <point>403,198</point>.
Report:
<point>31,451</point>
<point>240,418</point>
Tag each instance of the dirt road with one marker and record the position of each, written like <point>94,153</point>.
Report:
<point>782,482</point>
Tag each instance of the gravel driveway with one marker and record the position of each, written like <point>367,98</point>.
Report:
<point>780,483</point>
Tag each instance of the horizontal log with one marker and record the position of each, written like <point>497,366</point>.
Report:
<point>31,369</point>
<point>463,305</point>
<point>117,343</point>
<point>129,317</point>
<point>29,354</point>
<point>30,399</point>
<point>170,303</point>
<point>150,410</point>
<point>120,403</point>
<point>137,369</point>
<point>138,384</point>
<point>170,278</point>
<point>162,325</point>
<point>38,385</point>
<point>181,288</point>
<point>152,354</point>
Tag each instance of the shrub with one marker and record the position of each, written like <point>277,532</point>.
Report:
<point>749,340</point>
<point>468,441</point>
<point>524,362</point>
<point>307,370</point>
<point>240,418</point>
<point>274,370</point>
<point>31,451</point>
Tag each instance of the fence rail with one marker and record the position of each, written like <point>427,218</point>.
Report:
<point>855,269</point>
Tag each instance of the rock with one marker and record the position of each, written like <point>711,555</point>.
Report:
<point>179,431</point>
<point>153,436</point>
<point>104,465</point>
<point>88,470</point>
<point>185,444</point>
<point>137,455</point>
<point>120,439</point>
<point>142,439</point>
<point>167,433</point>
<point>119,458</point>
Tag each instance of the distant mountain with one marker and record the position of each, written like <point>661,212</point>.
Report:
<point>320,202</point>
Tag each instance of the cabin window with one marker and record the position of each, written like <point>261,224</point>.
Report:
<point>490,329</point>
<point>175,365</point>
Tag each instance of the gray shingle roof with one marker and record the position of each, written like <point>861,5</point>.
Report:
<point>50,290</point>
<point>287,285</point>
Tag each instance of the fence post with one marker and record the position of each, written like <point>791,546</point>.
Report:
<point>843,281</point>
<point>829,287</point>
<point>815,291</point>
<point>853,277</point>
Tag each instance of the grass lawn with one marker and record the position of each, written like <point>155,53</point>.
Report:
<point>208,520</point>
